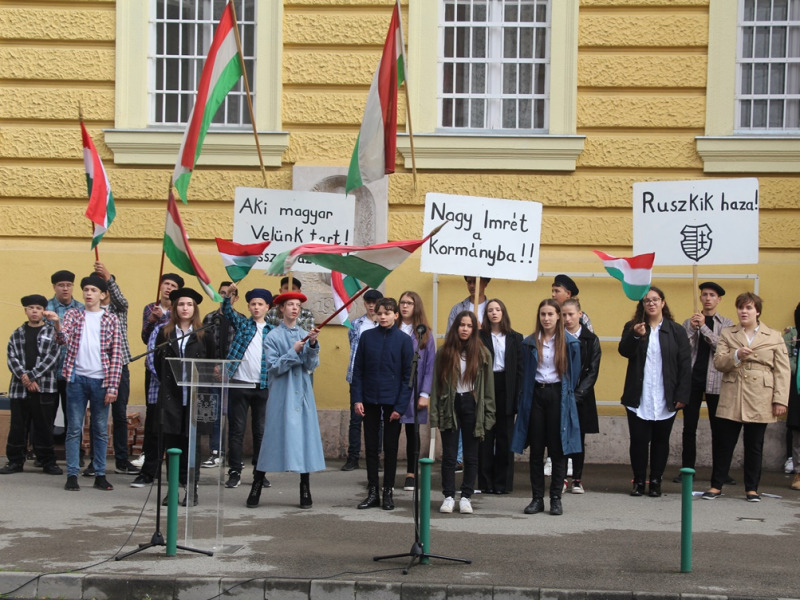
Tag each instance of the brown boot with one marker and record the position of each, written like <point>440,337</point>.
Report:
<point>796,482</point>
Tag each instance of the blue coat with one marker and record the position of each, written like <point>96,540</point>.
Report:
<point>292,441</point>
<point>570,426</point>
<point>382,368</point>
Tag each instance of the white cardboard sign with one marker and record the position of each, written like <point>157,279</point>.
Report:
<point>288,218</point>
<point>486,237</point>
<point>702,222</point>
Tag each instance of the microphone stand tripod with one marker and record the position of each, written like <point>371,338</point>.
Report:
<point>417,552</point>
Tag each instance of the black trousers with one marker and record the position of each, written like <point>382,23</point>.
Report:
<point>150,442</point>
<point>545,432</point>
<point>724,445</point>
<point>36,410</point>
<point>391,440</point>
<point>412,446</point>
<point>239,400</point>
<point>649,444</point>
<point>495,459</point>
<point>182,442</point>
<point>691,417</point>
<point>465,418</point>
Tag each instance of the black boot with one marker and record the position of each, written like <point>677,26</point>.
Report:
<point>638,488</point>
<point>371,501</point>
<point>655,488</point>
<point>388,501</point>
<point>255,491</point>
<point>305,491</point>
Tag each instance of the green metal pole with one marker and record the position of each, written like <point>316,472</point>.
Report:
<point>687,479</point>
<point>425,507</point>
<point>173,456</point>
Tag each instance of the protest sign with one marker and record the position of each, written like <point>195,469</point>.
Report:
<point>289,218</point>
<point>699,222</point>
<point>486,237</point>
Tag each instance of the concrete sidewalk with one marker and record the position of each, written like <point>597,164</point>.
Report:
<point>606,545</point>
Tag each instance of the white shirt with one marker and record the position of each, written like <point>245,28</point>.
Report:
<point>88,362</point>
<point>250,368</point>
<point>463,387</point>
<point>546,369</point>
<point>499,345</point>
<point>653,405</point>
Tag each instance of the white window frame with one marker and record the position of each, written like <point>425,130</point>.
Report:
<point>723,148</point>
<point>134,141</point>
<point>556,150</point>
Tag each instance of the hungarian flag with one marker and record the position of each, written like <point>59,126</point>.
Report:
<point>101,209</point>
<point>370,264</point>
<point>221,72</point>
<point>343,288</point>
<point>177,249</point>
<point>635,273</point>
<point>373,156</point>
<point>239,258</point>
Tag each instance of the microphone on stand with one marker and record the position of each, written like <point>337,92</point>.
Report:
<point>421,329</point>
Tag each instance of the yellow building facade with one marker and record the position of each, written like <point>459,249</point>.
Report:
<point>641,90</point>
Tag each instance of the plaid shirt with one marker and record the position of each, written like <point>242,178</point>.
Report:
<point>147,326</point>
<point>713,377</point>
<point>119,307</point>
<point>44,370</point>
<point>353,335</point>
<point>304,321</point>
<point>245,330</point>
<point>61,309</point>
<point>110,346</point>
<point>149,363</point>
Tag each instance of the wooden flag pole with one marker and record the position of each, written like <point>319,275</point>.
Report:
<point>694,288</point>
<point>96,251</point>
<point>475,300</point>
<point>341,308</point>
<point>408,103</point>
<point>247,92</point>
<point>163,253</point>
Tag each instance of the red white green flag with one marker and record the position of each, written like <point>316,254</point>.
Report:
<point>343,288</point>
<point>177,249</point>
<point>101,210</point>
<point>635,273</point>
<point>239,258</point>
<point>370,264</point>
<point>374,154</point>
<point>221,72</point>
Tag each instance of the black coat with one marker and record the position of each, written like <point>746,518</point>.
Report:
<point>175,416</point>
<point>676,363</point>
<point>584,393</point>
<point>514,367</point>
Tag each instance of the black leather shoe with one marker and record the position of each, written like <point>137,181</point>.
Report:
<point>11,468</point>
<point>555,507</point>
<point>255,493</point>
<point>638,488</point>
<point>371,501</point>
<point>350,465</point>
<point>388,501</point>
<point>305,495</point>
<point>536,506</point>
<point>655,488</point>
<point>677,479</point>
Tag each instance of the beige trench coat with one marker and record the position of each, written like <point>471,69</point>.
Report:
<point>750,388</point>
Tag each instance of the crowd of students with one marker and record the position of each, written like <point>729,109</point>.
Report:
<point>489,392</point>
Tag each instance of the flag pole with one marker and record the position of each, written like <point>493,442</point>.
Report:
<point>247,91</point>
<point>340,309</point>
<point>694,287</point>
<point>96,251</point>
<point>163,253</point>
<point>408,102</point>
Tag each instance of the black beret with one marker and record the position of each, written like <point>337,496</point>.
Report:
<point>185,292</point>
<point>295,282</point>
<point>710,285</point>
<point>59,276</point>
<point>96,281</point>
<point>173,277</point>
<point>34,300</point>
<point>567,283</point>
<point>372,296</point>
<point>265,295</point>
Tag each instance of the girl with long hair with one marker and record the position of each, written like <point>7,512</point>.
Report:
<point>412,316</point>
<point>462,403</point>
<point>657,382</point>
<point>548,417</point>
<point>496,461</point>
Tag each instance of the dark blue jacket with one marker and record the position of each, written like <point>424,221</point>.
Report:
<point>382,369</point>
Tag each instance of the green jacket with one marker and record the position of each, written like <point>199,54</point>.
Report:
<point>442,408</point>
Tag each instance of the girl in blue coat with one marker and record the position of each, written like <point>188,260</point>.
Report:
<point>548,416</point>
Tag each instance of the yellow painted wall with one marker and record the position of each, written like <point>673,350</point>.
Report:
<point>641,103</point>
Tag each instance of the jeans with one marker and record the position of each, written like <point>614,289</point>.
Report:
<point>80,392</point>
<point>545,431</point>
<point>354,435</point>
<point>239,400</point>
<point>649,440</point>
<point>35,409</point>
<point>465,417</point>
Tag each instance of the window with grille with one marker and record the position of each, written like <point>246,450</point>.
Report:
<point>183,33</point>
<point>768,95</point>
<point>493,65</point>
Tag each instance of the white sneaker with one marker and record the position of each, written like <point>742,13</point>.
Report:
<point>564,488</point>
<point>788,466</point>
<point>569,467</point>
<point>139,461</point>
<point>447,505</point>
<point>577,487</point>
<point>212,462</point>
<point>464,506</point>
<point>548,467</point>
